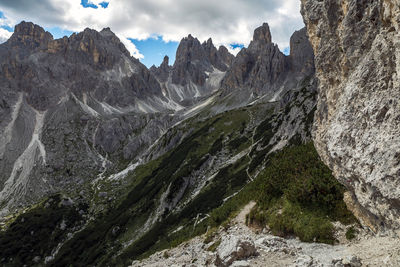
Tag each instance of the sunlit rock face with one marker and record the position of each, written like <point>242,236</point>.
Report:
<point>357,123</point>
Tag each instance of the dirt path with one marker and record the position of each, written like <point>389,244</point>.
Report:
<point>241,217</point>
<point>365,250</point>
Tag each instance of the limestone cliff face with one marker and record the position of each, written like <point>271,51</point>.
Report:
<point>357,123</point>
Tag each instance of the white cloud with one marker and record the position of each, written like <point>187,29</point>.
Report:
<point>131,47</point>
<point>226,21</point>
<point>4,35</point>
<point>234,51</point>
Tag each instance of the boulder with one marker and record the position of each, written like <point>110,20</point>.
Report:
<point>233,248</point>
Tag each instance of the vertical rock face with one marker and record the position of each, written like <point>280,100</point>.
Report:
<point>259,67</point>
<point>301,53</point>
<point>162,72</point>
<point>29,35</point>
<point>357,123</point>
<point>197,71</point>
<point>262,70</point>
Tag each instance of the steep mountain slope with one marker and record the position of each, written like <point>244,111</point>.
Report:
<point>131,161</point>
<point>70,108</point>
<point>151,194</point>
<point>357,133</point>
<point>165,200</point>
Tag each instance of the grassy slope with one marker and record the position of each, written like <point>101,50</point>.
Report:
<point>37,231</point>
<point>295,194</point>
<point>102,238</point>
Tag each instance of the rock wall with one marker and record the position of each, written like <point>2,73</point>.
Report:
<point>357,123</point>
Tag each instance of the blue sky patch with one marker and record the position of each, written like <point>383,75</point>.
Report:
<point>88,4</point>
<point>104,4</point>
<point>154,50</point>
<point>57,32</point>
<point>286,51</point>
<point>234,46</point>
<point>6,27</point>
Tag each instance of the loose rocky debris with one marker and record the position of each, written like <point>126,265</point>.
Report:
<point>242,246</point>
<point>234,248</point>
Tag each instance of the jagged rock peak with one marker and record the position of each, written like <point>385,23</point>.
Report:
<point>301,52</point>
<point>263,34</point>
<point>225,55</point>
<point>189,49</point>
<point>165,62</point>
<point>162,72</point>
<point>209,42</point>
<point>260,68</point>
<point>107,29</point>
<point>30,34</point>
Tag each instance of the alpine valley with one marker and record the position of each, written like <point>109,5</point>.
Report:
<point>258,159</point>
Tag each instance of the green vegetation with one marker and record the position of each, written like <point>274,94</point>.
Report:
<point>297,195</point>
<point>214,245</point>
<point>351,233</point>
<point>101,241</point>
<point>37,231</point>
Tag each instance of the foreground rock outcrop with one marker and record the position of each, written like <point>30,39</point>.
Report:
<point>234,248</point>
<point>365,250</point>
<point>357,123</point>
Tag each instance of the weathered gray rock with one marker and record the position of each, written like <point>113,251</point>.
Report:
<point>162,72</point>
<point>357,129</point>
<point>69,109</point>
<point>233,248</point>
<point>196,73</point>
<point>258,67</point>
<point>262,70</point>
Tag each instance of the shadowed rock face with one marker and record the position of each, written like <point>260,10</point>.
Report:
<point>356,131</point>
<point>197,71</point>
<point>190,63</point>
<point>263,70</point>
<point>88,62</point>
<point>162,72</point>
<point>69,109</point>
<point>301,53</point>
<point>257,67</point>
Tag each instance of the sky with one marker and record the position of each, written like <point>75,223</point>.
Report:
<point>151,29</point>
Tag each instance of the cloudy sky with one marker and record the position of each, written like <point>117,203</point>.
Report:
<point>152,28</point>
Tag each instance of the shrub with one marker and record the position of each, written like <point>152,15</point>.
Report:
<point>351,233</point>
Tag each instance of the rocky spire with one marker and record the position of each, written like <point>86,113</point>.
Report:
<point>30,35</point>
<point>262,34</point>
<point>261,37</point>
<point>219,60</point>
<point>226,57</point>
<point>165,62</point>
<point>162,72</point>
<point>258,67</point>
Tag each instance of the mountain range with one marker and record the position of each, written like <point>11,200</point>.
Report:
<point>104,162</point>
